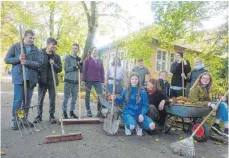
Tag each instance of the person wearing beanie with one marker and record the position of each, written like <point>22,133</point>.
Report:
<point>176,70</point>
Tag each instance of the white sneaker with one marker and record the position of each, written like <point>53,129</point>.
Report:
<point>139,131</point>
<point>127,131</point>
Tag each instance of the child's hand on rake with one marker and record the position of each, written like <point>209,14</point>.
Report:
<point>214,107</point>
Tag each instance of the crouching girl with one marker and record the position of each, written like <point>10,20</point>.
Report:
<point>136,107</point>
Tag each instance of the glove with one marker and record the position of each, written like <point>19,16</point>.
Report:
<point>75,68</point>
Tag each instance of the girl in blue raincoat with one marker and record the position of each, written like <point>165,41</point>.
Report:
<point>136,107</point>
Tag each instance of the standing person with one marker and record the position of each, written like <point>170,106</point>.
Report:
<point>136,107</point>
<point>32,61</point>
<point>71,68</point>
<point>93,75</point>
<point>119,76</point>
<point>198,69</point>
<point>164,84</point>
<point>200,95</point>
<point>176,70</point>
<point>142,71</point>
<point>46,79</point>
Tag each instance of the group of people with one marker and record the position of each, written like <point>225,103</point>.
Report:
<point>139,94</point>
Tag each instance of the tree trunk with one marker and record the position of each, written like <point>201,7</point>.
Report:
<point>92,26</point>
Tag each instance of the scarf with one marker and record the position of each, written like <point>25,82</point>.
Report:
<point>198,67</point>
<point>150,91</point>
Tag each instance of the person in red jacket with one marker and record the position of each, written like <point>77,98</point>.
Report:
<point>93,75</point>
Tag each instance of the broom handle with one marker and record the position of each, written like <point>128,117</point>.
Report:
<point>182,78</point>
<point>23,68</point>
<point>207,116</point>
<point>79,96</point>
<point>112,107</point>
<point>57,100</point>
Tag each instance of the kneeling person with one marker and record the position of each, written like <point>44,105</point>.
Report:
<point>136,107</point>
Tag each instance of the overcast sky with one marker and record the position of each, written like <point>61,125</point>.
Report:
<point>142,16</point>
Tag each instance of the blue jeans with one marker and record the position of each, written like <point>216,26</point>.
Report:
<point>70,89</point>
<point>19,98</point>
<point>98,88</point>
<point>222,112</point>
<point>130,120</point>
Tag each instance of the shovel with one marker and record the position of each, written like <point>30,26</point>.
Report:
<point>111,125</point>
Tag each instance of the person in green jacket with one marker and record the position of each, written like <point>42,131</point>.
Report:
<point>199,95</point>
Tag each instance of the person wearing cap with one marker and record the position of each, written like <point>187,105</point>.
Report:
<point>142,71</point>
<point>46,80</point>
<point>176,70</point>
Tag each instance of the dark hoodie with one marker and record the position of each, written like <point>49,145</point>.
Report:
<point>45,72</point>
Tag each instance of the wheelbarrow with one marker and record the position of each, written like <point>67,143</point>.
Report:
<point>194,114</point>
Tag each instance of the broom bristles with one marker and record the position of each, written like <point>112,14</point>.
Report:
<point>62,138</point>
<point>184,147</point>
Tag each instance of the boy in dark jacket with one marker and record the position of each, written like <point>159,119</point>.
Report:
<point>176,70</point>
<point>165,86</point>
<point>46,79</point>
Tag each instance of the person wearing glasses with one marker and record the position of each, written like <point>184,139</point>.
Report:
<point>200,95</point>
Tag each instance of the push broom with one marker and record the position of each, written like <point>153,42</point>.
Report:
<point>62,137</point>
<point>186,147</point>
<point>80,120</point>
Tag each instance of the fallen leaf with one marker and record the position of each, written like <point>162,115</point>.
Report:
<point>3,153</point>
<point>53,132</point>
<point>195,142</point>
<point>181,137</point>
<point>218,143</point>
<point>122,140</point>
<point>157,140</point>
<point>173,129</point>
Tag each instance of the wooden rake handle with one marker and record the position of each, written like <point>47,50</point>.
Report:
<point>23,67</point>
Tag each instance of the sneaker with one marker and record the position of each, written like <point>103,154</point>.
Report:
<point>89,114</point>
<point>14,126</point>
<point>52,119</point>
<point>38,119</point>
<point>127,131</point>
<point>226,132</point>
<point>216,129</point>
<point>65,115</point>
<point>72,115</point>
<point>100,115</point>
<point>139,130</point>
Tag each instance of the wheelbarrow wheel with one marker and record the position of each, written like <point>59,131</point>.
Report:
<point>203,134</point>
<point>167,125</point>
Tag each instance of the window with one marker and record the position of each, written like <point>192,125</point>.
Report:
<point>161,60</point>
<point>164,60</point>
